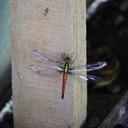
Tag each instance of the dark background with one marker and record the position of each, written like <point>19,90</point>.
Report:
<point>107,39</point>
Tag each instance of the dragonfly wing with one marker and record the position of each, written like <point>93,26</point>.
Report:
<point>42,70</point>
<point>93,78</point>
<point>83,69</point>
<point>96,66</point>
<point>90,78</point>
<point>42,58</point>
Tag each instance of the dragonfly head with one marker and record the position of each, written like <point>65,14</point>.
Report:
<point>67,60</point>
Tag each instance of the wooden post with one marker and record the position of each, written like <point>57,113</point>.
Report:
<point>53,27</point>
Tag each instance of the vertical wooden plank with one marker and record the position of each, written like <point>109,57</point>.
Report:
<point>79,36</point>
<point>53,28</point>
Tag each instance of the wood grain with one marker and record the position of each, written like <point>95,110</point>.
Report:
<point>55,28</point>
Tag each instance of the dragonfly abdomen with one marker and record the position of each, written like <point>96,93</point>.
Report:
<point>65,77</point>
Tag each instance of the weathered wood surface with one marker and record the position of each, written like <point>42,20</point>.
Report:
<point>53,27</point>
<point>118,117</point>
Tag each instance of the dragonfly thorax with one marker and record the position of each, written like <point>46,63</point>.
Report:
<point>66,67</point>
<point>67,63</point>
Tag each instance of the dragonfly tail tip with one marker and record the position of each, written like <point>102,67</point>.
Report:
<point>62,97</point>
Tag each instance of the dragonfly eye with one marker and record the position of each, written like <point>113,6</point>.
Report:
<point>67,59</point>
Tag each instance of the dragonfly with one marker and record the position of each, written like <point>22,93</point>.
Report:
<point>66,68</point>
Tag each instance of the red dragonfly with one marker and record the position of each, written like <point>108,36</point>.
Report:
<point>65,68</point>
